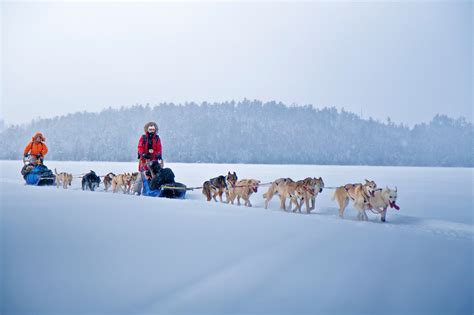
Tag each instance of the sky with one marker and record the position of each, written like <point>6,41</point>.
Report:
<point>403,60</point>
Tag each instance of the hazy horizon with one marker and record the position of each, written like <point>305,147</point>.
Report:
<point>407,60</point>
<point>98,111</point>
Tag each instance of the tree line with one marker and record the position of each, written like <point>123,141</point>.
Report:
<point>249,132</point>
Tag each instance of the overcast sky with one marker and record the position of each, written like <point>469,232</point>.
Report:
<point>406,60</point>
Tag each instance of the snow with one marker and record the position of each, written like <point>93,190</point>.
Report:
<point>75,252</point>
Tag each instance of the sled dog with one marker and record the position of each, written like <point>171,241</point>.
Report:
<point>383,199</point>
<point>108,180</point>
<point>138,185</point>
<point>317,184</point>
<point>358,193</point>
<point>90,181</point>
<point>276,188</point>
<point>121,181</point>
<point>287,188</point>
<point>243,189</point>
<point>133,179</point>
<point>64,178</point>
<point>218,185</point>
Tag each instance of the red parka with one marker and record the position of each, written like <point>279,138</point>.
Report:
<point>151,145</point>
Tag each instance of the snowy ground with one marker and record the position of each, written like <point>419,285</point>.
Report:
<point>75,252</point>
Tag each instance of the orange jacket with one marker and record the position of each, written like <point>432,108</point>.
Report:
<point>35,148</point>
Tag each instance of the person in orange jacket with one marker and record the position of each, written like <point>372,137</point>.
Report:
<point>36,149</point>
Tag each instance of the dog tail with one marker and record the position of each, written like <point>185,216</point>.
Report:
<point>55,172</point>
<point>206,190</point>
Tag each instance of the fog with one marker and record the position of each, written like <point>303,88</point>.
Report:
<point>406,61</point>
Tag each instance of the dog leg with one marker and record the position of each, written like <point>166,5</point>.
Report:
<point>283,203</point>
<point>342,206</point>
<point>384,213</point>
<point>297,205</point>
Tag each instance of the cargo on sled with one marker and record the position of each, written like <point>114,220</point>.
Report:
<point>37,174</point>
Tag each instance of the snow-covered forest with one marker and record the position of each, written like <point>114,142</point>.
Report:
<point>249,132</point>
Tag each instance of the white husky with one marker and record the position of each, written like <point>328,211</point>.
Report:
<point>381,200</point>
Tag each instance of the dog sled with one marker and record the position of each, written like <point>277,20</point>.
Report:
<point>37,175</point>
<point>172,190</point>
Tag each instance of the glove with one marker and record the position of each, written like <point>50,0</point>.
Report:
<point>26,155</point>
<point>146,156</point>
<point>38,156</point>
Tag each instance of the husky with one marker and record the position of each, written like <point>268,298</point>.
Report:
<point>108,180</point>
<point>137,185</point>
<point>358,193</point>
<point>317,184</point>
<point>133,179</point>
<point>90,181</point>
<point>277,187</point>
<point>218,185</point>
<point>287,188</point>
<point>243,189</point>
<point>383,199</point>
<point>64,178</point>
<point>122,181</point>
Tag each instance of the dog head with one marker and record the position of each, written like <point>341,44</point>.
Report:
<point>231,178</point>
<point>253,185</point>
<point>370,186</point>
<point>134,176</point>
<point>304,190</point>
<point>391,196</point>
<point>318,183</point>
<point>127,178</point>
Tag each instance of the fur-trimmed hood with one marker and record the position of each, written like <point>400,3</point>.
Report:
<point>148,124</point>
<point>38,134</point>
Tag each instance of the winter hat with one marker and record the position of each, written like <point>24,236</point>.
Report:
<point>148,124</point>
<point>40,135</point>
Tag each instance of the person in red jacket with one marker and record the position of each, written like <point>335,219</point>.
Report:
<point>149,147</point>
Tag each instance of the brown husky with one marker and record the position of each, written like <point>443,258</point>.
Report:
<point>302,193</point>
<point>108,180</point>
<point>277,187</point>
<point>317,184</point>
<point>287,188</point>
<point>122,181</point>
<point>64,178</point>
<point>358,193</point>
<point>218,185</point>
<point>243,189</point>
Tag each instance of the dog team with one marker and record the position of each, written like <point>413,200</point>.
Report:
<point>365,197</point>
<point>126,182</point>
